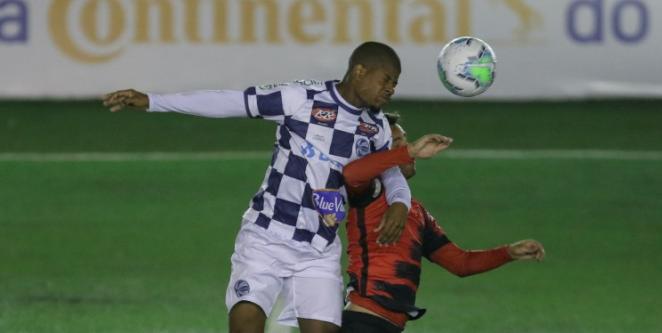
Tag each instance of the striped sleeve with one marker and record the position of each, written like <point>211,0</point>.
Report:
<point>274,101</point>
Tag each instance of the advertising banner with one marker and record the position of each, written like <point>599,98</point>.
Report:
<point>545,48</point>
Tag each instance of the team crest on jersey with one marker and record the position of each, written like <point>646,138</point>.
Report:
<point>362,147</point>
<point>325,115</point>
<point>367,129</point>
<point>242,288</point>
<point>330,205</point>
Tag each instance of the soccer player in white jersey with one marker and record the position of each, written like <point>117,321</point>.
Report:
<point>287,243</point>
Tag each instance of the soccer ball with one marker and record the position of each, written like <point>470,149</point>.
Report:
<point>466,66</point>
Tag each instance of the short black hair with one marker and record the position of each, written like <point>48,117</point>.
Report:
<point>392,117</point>
<point>373,54</point>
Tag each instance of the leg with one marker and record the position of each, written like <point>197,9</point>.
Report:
<point>317,326</point>
<point>247,317</point>
<point>318,304</point>
<point>254,284</point>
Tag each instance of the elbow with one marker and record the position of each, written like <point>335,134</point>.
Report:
<point>459,271</point>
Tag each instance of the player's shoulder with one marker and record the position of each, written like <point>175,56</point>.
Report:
<point>420,211</point>
<point>300,86</point>
<point>315,85</point>
<point>296,92</point>
<point>418,208</point>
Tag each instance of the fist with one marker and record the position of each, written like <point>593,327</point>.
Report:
<point>526,249</point>
<point>120,99</point>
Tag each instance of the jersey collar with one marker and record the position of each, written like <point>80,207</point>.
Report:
<point>331,86</point>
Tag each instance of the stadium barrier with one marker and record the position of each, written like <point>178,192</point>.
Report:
<point>546,49</point>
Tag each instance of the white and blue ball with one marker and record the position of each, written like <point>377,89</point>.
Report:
<point>467,66</point>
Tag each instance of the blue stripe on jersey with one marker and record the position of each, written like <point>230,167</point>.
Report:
<point>263,221</point>
<point>296,167</point>
<point>328,233</point>
<point>273,183</point>
<point>307,199</point>
<point>249,91</point>
<point>335,179</point>
<point>373,116</point>
<point>342,144</point>
<point>330,87</point>
<point>286,212</point>
<point>284,140</point>
<point>310,94</point>
<point>258,201</point>
<point>303,235</point>
<point>299,128</point>
<point>271,104</point>
<point>385,147</point>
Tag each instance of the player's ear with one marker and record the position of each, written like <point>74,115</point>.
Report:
<point>359,71</point>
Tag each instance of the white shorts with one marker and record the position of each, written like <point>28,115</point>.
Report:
<point>309,283</point>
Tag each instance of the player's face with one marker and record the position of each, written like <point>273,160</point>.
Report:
<point>400,139</point>
<point>378,85</point>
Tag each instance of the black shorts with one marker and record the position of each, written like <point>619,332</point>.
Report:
<point>358,322</point>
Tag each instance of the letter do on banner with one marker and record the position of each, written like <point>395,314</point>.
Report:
<point>596,9</point>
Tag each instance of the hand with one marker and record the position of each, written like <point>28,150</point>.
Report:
<point>118,100</point>
<point>392,224</point>
<point>428,145</point>
<point>526,249</point>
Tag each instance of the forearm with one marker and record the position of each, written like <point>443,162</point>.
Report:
<point>360,172</point>
<point>205,103</point>
<point>465,263</point>
<point>396,187</point>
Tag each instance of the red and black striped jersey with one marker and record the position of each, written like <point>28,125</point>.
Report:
<point>384,279</point>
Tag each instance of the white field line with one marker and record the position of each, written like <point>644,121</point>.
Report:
<point>489,154</point>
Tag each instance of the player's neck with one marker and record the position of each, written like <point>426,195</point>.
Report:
<point>349,95</point>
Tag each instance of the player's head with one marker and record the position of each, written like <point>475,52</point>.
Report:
<point>373,72</point>
<point>400,139</point>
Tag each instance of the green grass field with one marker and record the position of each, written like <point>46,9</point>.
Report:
<point>143,245</point>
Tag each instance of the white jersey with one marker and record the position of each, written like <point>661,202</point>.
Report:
<point>318,134</point>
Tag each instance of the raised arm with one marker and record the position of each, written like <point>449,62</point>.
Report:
<point>273,102</point>
<point>361,172</point>
<point>205,103</point>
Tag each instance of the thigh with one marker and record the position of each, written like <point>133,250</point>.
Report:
<point>247,317</point>
<point>318,299</point>
<point>254,278</point>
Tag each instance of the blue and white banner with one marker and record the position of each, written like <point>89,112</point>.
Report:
<point>545,48</point>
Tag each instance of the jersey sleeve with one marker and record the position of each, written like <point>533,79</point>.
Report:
<point>440,250</point>
<point>274,101</point>
<point>203,103</point>
<point>396,187</point>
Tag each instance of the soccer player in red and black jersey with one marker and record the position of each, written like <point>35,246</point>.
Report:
<point>384,279</point>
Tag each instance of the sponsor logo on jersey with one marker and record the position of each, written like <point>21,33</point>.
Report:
<point>330,205</point>
<point>325,115</point>
<point>242,288</point>
<point>367,129</point>
<point>362,147</point>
